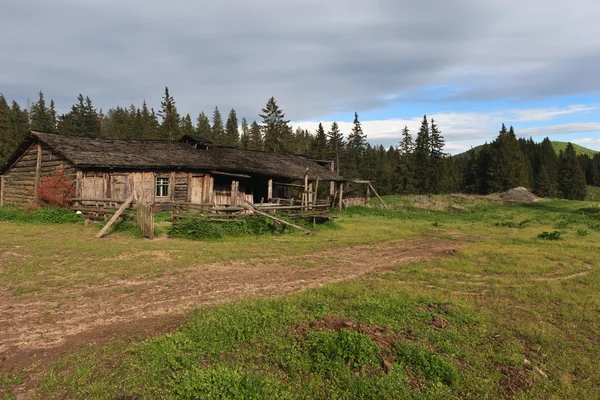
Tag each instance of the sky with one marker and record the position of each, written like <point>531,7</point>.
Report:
<point>469,65</point>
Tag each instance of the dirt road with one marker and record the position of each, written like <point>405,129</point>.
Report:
<point>37,328</point>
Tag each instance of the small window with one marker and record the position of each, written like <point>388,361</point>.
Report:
<point>162,187</point>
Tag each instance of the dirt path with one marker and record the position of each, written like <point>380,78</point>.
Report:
<point>38,328</point>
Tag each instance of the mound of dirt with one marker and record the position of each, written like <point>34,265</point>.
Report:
<point>384,338</point>
<point>520,195</point>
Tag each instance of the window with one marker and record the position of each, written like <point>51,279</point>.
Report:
<point>162,187</point>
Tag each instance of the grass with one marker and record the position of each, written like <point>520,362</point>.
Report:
<point>476,325</point>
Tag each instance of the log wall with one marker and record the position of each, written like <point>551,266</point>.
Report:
<point>21,179</point>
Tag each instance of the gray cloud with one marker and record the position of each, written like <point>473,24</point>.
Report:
<point>315,57</point>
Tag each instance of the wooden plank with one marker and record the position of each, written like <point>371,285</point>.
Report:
<point>380,199</point>
<point>341,196</point>
<point>114,217</point>
<point>250,207</point>
<point>38,167</point>
<point>316,191</point>
<point>230,174</point>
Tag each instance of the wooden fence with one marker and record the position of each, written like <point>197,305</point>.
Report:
<point>145,219</point>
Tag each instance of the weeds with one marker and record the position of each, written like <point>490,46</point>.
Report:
<point>48,215</point>
<point>555,235</point>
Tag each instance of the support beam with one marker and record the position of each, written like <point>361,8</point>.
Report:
<point>316,192</point>
<point>270,189</point>
<point>341,195</point>
<point>2,191</point>
<point>38,168</point>
<point>380,199</point>
<point>114,217</point>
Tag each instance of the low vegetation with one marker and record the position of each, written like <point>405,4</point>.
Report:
<point>510,315</point>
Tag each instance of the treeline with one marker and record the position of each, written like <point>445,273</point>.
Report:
<point>416,165</point>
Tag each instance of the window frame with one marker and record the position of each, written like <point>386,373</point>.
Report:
<point>163,187</point>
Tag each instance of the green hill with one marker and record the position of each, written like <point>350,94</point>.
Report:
<point>557,146</point>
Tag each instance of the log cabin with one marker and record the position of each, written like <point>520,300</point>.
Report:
<point>189,173</point>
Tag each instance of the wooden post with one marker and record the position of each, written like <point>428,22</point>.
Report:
<point>233,196</point>
<point>270,189</point>
<point>38,169</point>
<point>341,194</point>
<point>2,191</point>
<point>316,192</point>
<point>368,196</point>
<point>311,196</point>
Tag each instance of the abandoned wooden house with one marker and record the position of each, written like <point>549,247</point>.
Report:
<point>190,174</point>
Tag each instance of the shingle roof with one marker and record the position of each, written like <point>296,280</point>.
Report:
<point>129,154</point>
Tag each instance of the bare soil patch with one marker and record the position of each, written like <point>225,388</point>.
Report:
<point>37,328</point>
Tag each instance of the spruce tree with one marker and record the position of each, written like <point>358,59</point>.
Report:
<point>232,134</point>
<point>5,129</point>
<point>436,155</point>
<point>422,158</point>
<point>256,140</point>
<point>170,126</point>
<point>150,127</point>
<point>275,128</point>
<point>218,131</point>
<point>404,166</point>
<point>318,147</point>
<point>245,136</point>
<point>187,126</point>
<point>335,144</point>
<point>546,172</point>
<point>53,117</point>
<point>19,127</point>
<point>357,142</point>
<point>596,170</point>
<point>571,181</point>
<point>508,166</point>
<point>203,128</point>
<point>40,117</point>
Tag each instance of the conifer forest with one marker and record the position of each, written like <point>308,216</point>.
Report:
<point>417,164</point>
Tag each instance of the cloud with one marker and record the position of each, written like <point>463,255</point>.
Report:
<point>462,130</point>
<point>316,57</point>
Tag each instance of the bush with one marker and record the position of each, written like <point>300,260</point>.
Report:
<point>48,215</point>
<point>56,190</point>
<point>555,235</point>
<point>206,230</point>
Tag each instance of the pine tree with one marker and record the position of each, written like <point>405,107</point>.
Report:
<point>318,148</point>
<point>335,144</point>
<point>245,136</point>
<point>422,159</point>
<point>187,126</point>
<point>170,126</point>
<point>256,140</point>
<point>82,120</point>
<point>232,134</point>
<point>275,128</point>
<point>40,117</point>
<point>218,130</point>
<point>596,170</point>
<point>571,181</point>
<point>203,128</point>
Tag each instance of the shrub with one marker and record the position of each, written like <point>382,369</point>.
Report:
<point>56,190</point>
<point>206,230</point>
<point>48,215</point>
<point>555,235</point>
<point>582,232</point>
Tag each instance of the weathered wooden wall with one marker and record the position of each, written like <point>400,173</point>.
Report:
<point>22,178</point>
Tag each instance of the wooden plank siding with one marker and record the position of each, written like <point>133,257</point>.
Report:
<point>21,179</point>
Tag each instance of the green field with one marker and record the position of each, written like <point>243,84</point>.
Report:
<point>512,313</point>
